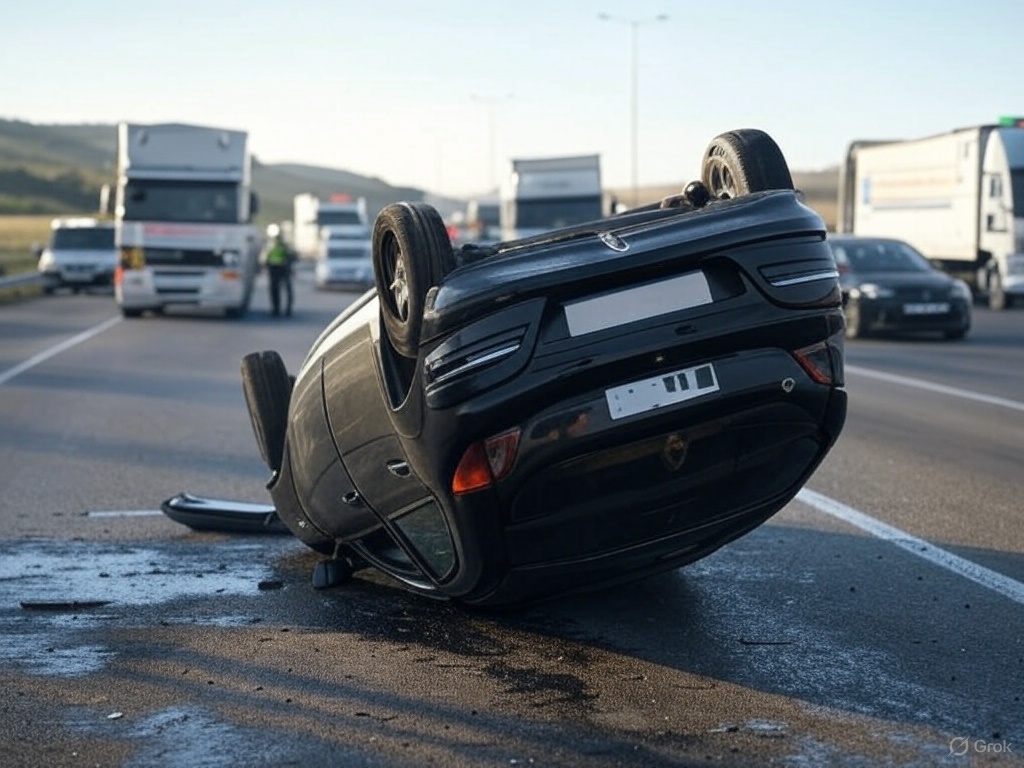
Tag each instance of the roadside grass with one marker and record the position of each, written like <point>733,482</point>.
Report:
<point>18,234</point>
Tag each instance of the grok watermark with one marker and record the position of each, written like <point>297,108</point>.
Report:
<point>961,746</point>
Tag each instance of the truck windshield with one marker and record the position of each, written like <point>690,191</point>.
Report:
<point>191,201</point>
<point>1017,183</point>
<point>553,214</point>
<point>329,218</point>
<point>83,239</point>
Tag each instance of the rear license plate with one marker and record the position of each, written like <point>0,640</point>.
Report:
<point>659,391</point>
<point>932,308</point>
<point>638,303</point>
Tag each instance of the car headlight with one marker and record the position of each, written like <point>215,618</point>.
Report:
<point>960,290</point>
<point>230,258</point>
<point>874,291</point>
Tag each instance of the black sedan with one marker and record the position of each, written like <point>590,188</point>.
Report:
<point>890,287</point>
<point>501,423</point>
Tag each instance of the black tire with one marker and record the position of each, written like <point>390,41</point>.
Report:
<point>742,162</point>
<point>268,390</point>
<point>131,312</point>
<point>411,253</point>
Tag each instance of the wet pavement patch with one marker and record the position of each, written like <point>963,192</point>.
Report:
<point>52,593</point>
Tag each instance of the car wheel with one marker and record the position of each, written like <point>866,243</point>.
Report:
<point>131,312</point>
<point>744,161</point>
<point>268,388</point>
<point>854,322</point>
<point>411,253</point>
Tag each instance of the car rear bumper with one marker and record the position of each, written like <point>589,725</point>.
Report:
<point>593,501</point>
<point>891,315</point>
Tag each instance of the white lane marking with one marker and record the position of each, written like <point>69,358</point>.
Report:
<point>35,360</point>
<point>123,513</point>
<point>965,394</point>
<point>979,574</point>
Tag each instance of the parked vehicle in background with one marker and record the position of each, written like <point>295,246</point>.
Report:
<point>599,403</point>
<point>541,194</point>
<point>184,219</point>
<point>337,234</point>
<point>890,287</point>
<point>79,253</point>
<point>483,220</point>
<point>316,220</point>
<point>957,197</point>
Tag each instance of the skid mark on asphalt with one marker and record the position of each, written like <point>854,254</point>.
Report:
<point>46,354</point>
<point>985,577</point>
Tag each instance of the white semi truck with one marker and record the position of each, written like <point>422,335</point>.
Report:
<point>317,220</point>
<point>958,197</point>
<point>545,193</point>
<point>183,221</point>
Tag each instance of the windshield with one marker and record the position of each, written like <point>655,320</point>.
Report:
<point>83,239</point>
<point>152,200</point>
<point>1017,183</point>
<point>553,214</point>
<point>329,218</point>
<point>879,256</point>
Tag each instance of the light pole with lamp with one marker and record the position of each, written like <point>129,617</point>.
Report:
<point>634,25</point>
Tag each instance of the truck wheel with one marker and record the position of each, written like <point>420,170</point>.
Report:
<point>411,253</point>
<point>744,161</point>
<point>268,390</point>
<point>854,323</point>
<point>998,299</point>
<point>996,296</point>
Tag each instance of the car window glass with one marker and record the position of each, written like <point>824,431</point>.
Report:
<point>83,238</point>
<point>885,256</point>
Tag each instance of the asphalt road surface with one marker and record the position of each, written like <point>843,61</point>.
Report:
<point>877,620</point>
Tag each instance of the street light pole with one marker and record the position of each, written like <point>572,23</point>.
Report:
<point>634,100</point>
<point>489,103</point>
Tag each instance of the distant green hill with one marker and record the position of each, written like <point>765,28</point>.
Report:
<point>60,169</point>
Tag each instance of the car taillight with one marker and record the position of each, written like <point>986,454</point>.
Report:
<point>486,461</point>
<point>823,361</point>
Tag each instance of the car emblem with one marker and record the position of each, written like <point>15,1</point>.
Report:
<point>613,241</point>
<point>674,452</point>
<point>927,296</point>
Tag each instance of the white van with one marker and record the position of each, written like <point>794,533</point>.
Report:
<point>80,253</point>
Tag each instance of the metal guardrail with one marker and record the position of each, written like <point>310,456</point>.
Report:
<point>19,281</point>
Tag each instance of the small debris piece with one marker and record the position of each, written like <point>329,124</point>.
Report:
<point>115,715</point>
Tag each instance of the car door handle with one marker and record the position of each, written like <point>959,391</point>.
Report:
<point>398,468</point>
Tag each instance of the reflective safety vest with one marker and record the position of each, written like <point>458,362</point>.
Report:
<point>277,256</point>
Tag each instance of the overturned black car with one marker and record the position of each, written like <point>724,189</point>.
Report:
<point>600,403</point>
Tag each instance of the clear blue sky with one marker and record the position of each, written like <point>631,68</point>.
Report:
<point>427,93</point>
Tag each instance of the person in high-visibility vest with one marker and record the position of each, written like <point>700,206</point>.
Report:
<point>279,258</point>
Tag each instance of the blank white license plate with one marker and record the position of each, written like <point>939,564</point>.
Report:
<point>932,308</point>
<point>659,391</point>
<point>637,303</point>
